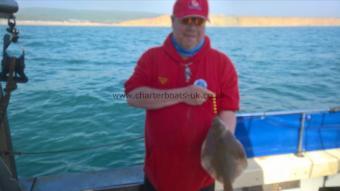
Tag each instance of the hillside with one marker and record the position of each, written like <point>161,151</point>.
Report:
<point>220,20</point>
<point>68,17</point>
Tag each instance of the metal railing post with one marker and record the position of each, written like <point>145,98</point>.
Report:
<point>301,135</point>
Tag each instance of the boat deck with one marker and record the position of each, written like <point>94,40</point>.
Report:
<point>278,172</point>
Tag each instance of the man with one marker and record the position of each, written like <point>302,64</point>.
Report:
<point>182,85</point>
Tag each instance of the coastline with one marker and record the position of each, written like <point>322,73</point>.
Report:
<point>215,21</point>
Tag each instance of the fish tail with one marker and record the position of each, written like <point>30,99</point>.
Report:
<point>227,187</point>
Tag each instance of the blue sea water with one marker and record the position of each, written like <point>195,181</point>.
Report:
<point>74,72</point>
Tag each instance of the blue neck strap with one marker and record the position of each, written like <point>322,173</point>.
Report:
<point>184,52</point>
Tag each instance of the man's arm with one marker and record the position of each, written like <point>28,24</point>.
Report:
<point>151,98</point>
<point>229,119</point>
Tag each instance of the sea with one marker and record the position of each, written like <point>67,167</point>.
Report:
<point>66,119</point>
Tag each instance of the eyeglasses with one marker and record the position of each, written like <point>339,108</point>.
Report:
<point>193,21</point>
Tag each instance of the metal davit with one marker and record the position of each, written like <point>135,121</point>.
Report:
<point>8,8</point>
<point>12,72</point>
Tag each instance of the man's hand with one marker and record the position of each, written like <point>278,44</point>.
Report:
<point>195,95</point>
<point>229,119</point>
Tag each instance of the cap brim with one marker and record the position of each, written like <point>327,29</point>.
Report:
<point>199,16</point>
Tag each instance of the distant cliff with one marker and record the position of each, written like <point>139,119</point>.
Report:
<point>68,17</point>
<point>240,21</point>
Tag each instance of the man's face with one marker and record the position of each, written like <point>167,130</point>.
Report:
<point>188,31</point>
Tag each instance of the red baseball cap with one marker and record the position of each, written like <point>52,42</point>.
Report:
<point>191,8</point>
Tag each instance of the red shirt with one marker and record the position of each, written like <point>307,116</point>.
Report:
<point>174,134</point>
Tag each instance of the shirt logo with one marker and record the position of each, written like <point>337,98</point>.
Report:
<point>194,4</point>
<point>162,80</point>
<point>201,83</point>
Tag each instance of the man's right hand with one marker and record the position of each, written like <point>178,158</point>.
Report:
<point>195,95</point>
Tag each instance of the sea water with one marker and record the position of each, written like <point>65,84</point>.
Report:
<point>74,72</point>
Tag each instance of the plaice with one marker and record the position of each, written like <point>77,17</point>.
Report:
<point>222,155</point>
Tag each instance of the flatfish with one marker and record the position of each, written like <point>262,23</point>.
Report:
<point>222,155</point>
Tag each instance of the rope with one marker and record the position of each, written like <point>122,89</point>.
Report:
<point>35,179</point>
<point>70,150</point>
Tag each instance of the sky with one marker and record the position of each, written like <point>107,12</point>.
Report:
<point>286,8</point>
